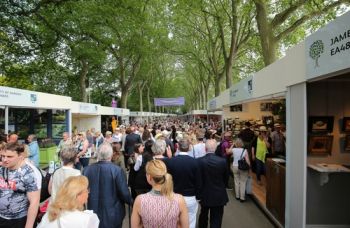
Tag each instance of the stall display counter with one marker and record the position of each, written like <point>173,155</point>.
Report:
<point>275,187</point>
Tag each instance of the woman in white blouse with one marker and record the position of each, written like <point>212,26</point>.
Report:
<point>67,208</point>
<point>240,176</point>
<point>68,157</point>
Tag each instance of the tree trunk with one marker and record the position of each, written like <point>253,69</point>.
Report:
<point>124,97</point>
<point>82,79</point>
<point>141,99</point>
<point>217,86</point>
<point>200,98</point>
<point>126,82</point>
<point>205,96</point>
<point>149,100</point>
<point>267,39</point>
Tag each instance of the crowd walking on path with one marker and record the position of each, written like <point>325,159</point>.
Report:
<point>171,173</point>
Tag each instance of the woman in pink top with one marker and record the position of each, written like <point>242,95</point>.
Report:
<point>160,207</point>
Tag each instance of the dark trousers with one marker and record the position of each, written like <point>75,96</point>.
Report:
<point>260,169</point>
<point>13,223</point>
<point>82,162</point>
<point>126,161</point>
<point>228,166</point>
<point>216,214</point>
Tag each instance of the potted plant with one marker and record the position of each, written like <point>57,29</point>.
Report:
<point>47,151</point>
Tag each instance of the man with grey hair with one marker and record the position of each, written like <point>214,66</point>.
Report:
<point>187,178</point>
<point>213,193</point>
<point>158,149</point>
<point>65,141</point>
<point>108,189</point>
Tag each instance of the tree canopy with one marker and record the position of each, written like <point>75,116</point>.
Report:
<point>134,51</point>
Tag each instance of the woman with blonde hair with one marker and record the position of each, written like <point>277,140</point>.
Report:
<point>160,207</point>
<point>84,153</point>
<point>67,208</point>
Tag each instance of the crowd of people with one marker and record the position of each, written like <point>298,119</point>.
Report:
<point>164,170</point>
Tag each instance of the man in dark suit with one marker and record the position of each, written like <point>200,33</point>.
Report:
<point>213,193</point>
<point>187,178</point>
<point>130,141</point>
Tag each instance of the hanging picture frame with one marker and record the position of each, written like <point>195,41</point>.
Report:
<point>347,143</point>
<point>320,145</point>
<point>320,124</point>
<point>346,124</point>
<point>266,106</point>
<point>268,120</point>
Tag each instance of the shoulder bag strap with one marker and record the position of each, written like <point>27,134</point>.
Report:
<point>242,152</point>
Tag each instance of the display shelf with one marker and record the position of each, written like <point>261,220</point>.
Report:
<point>325,169</point>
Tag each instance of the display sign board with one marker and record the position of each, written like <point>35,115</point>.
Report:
<point>177,101</point>
<point>212,104</point>
<point>88,108</point>
<point>328,49</point>
<point>199,112</point>
<point>18,97</point>
<point>121,112</point>
<point>242,90</point>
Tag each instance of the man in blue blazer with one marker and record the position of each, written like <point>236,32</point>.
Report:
<point>213,193</point>
<point>108,189</point>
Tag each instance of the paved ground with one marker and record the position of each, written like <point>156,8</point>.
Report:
<point>238,215</point>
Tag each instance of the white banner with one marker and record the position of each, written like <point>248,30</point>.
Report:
<point>88,108</point>
<point>18,97</point>
<point>212,104</point>
<point>242,90</point>
<point>328,49</point>
<point>121,112</point>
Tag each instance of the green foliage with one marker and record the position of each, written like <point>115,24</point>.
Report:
<point>20,82</point>
<point>169,48</point>
<point>47,143</point>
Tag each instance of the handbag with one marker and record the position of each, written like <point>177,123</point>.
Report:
<point>248,187</point>
<point>88,153</point>
<point>242,163</point>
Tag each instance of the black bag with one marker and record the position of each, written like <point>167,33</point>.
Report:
<point>44,192</point>
<point>218,150</point>
<point>242,163</point>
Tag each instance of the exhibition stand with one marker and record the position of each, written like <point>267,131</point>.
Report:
<point>27,112</point>
<point>87,116</point>
<point>309,189</point>
<point>106,113</point>
<point>202,116</point>
<point>48,115</point>
<point>146,117</point>
<point>318,180</point>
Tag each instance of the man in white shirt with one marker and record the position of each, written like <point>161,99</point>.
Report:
<point>198,150</point>
<point>65,141</point>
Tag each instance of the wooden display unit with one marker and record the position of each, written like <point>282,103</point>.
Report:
<point>276,189</point>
